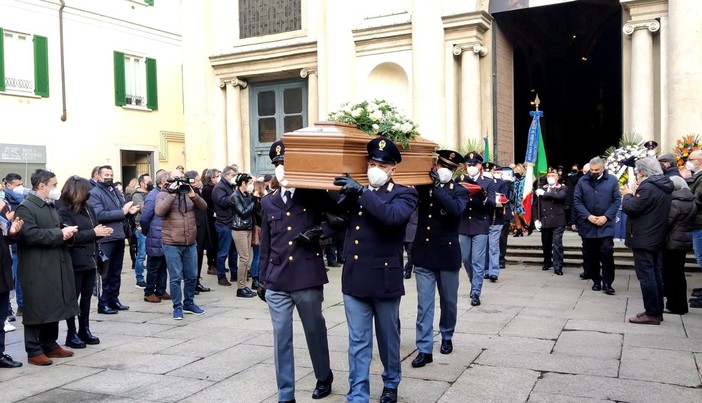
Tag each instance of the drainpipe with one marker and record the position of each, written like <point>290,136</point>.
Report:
<point>63,74</point>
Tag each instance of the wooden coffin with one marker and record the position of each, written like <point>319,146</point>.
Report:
<point>315,155</point>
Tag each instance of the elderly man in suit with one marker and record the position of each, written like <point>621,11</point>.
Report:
<point>292,275</point>
<point>437,254</point>
<point>372,278</point>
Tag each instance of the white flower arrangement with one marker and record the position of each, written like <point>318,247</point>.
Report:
<point>617,157</point>
<point>378,117</point>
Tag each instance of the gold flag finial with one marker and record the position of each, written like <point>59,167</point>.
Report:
<point>537,101</point>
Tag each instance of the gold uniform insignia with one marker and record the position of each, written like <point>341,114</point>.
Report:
<point>381,145</point>
<point>277,150</point>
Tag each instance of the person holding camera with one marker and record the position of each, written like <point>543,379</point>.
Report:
<point>176,207</point>
<point>242,228</point>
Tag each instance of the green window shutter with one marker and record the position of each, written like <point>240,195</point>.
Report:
<point>41,66</point>
<point>120,91</point>
<point>151,85</point>
<point>149,2</point>
<point>2,59</point>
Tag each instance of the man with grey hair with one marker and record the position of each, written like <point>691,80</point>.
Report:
<point>646,233</point>
<point>596,201</point>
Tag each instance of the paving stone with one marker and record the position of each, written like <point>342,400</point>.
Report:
<point>131,361</point>
<point>662,330</point>
<point>499,342</point>
<point>665,366</point>
<point>532,326</point>
<point>663,343</point>
<point>538,397</point>
<point>589,344</point>
<point>481,383</point>
<point>550,362</point>
<point>37,380</point>
<point>224,364</point>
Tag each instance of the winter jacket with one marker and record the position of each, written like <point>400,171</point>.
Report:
<point>681,220</point>
<point>647,210</point>
<point>222,198</point>
<point>7,282</point>
<point>242,211</point>
<point>83,245</point>
<point>695,183</point>
<point>178,214</point>
<point>108,210</point>
<point>152,225</point>
<point>599,197</point>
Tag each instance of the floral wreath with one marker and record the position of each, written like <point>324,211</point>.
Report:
<point>618,160</point>
<point>686,145</point>
<point>378,117</point>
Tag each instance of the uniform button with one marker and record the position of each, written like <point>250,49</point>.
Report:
<point>358,227</point>
<point>428,228</point>
<point>427,240</point>
<point>386,264</point>
<point>355,257</point>
<point>317,253</point>
<point>356,241</point>
<point>360,213</point>
<point>289,228</point>
<point>287,214</point>
<point>429,215</point>
<point>290,258</point>
<point>431,204</point>
<point>304,209</point>
<point>450,243</point>
<point>289,242</point>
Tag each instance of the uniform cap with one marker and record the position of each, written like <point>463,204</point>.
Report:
<point>382,149</point>
<point>450,159</point>
<point>277,152</point>
<point>650,145</point>
<point>474,158</point>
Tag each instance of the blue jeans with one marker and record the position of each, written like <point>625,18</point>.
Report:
<point>140,256</point>
<point>255,260</point>
<point>648,265</point>
<point>15,274</point>
<point>361,314</point>
<point>156,276</point>
<point>697,245</point>
<point>225,250</point>
<point>473,256</point>
<point>427,282</point>
<point>182,267</point>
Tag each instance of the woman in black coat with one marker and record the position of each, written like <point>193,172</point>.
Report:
<point>9,227</point>
<point>75,210</point>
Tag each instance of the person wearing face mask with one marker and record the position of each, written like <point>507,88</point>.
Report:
<point>152,227</point>
<point>242,228</point>
<point>669,164</point>
<point>113,212</point>
<point>518,202</point>
<point>552,215</point>
<point>596,201</point>
<point>221,198</point>
<point>210,178</point>
<point>203,238</point>
<point>694,165</point>
<point>45,270</point>
<point>570,181</point>
<point>372,278</point>
<point>503,192</point>
<point>9,228</point>
<point>14,195</point>
<point>144,186</point>
<point>650,147</point>
<point>475,223</point>
<point>497,216</point>
<point>437,254</point>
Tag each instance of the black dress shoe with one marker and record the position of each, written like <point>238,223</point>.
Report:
<point>422,360</point>
<point>544,268</point>
<point>7,362</point>
<point>407,274</point>
<point>201,288</point>
<point>475,300</point>
<point>388,396</point>
<point>493,278</point>
<point>118,306</point>
<point>245,293</point>
<point>446,346</point>
<point>584,276</point>
<point>107,310</point>
<point>73,341</point>
<point>323,388</point>
<point>558,272</point>
<point>596,287</point>
<point>608,289</point>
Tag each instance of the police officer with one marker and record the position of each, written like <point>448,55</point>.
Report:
<point>474,224</point>
<point>496,216</point>
<point>437,254</point>
<point>372,279</point>
<point>292,275</point>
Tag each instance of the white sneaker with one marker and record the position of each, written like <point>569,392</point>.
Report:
<point>9,327</point>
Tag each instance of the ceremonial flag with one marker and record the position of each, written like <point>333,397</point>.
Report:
<point>535,162</point>
<point>486,156</point>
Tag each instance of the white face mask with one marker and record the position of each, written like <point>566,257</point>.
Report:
<point>19,190</point>
<point>487,175</point>
<point>551,181</point>
<point>445,174</point>
<point>473,171</point>
<point>54,194</point>
<point>377,177</point>
<point>232,181</point>
<point>689,165</point>
<point>280,172</point>
<point>249,187</point>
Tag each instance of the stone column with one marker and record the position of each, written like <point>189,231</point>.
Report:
<point>220,129</point>
<point>684,69</point>
<point>470,105</point>
<point>235,140</point>
<point>642,102</point>
<point>312,95</point>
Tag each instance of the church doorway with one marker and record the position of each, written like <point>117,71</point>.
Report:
<point>570,54</point>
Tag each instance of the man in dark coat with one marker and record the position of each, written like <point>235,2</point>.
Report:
<point>112,211</point>
<point>437,255</point>
<point>372,278</point>
<point>292,275</point>
<point>551,199</point>
<point>45,269</point>
<point>210,178</point>
<point>647,206</point>
<point>152,226</point>
<point>596,201</point>
<point>669,164</point>
<point>496,219</point>
<point>9,228</point>
<point>222,198</point>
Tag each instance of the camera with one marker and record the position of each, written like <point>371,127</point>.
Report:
<point>183,185</point>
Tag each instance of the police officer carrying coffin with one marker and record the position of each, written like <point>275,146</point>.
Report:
<point>292,274</point>
<point>437,254</point>
<point>474,224</point>
<point>372,279</point>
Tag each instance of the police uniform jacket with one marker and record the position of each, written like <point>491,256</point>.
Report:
<point>373,249</point>
<point>474,220</point>
<point>497,214</point>
<point>552,205</point>
<point>436,243</point>
<point>284,264</point>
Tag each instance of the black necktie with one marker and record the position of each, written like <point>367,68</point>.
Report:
<point>288,198</point>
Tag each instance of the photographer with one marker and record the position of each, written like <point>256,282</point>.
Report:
<point>176,207</point>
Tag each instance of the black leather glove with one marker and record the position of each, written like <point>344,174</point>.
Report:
<point>261,292</point>
<point>348,186</point>
<point>309,237</point>
<point>337,222</point>
<point>435,177</point>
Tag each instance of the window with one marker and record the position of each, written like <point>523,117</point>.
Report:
<point>24,63</point>
<point>135,81</point>
<point>265,17</point>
